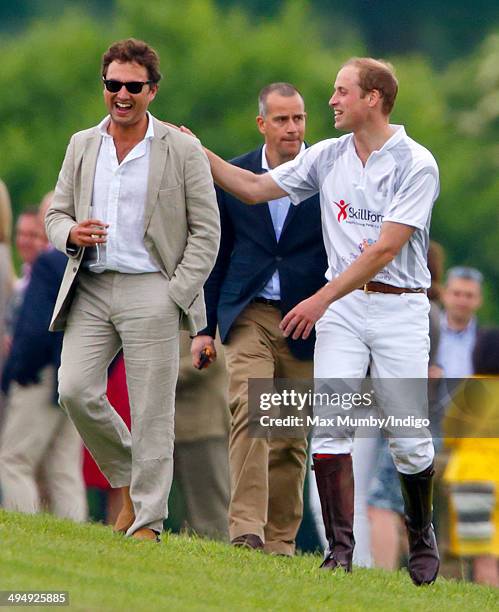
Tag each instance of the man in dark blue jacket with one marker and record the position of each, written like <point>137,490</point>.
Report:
<point>33,346</point>
<point>37,434</point>
<point>271,257</point>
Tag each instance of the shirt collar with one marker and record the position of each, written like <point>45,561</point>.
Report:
<point>265,164</point>
<point>103,125</point>
<point>398,134</point>
<point>396,137</point>
<point>26,269</point>
<point>469,329</point>
<point>150,126</point>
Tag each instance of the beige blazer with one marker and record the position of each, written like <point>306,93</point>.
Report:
<point>181,221</point>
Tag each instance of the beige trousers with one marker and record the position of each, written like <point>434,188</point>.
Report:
<point>134,311</point>
<point>266,475</point>
<point>201,469</point>
<point>38,437</point>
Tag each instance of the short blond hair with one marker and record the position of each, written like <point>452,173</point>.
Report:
<point>5,214</point>
<point>377,74</point>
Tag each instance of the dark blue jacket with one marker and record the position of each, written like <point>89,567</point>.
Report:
<point>33,346</point>
<point>249,254</point>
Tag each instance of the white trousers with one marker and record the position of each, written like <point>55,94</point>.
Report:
<point>389,334</point>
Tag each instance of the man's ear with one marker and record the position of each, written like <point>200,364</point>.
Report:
<point>153,91</point>
<point>260,124</point>
<point>374,97</point>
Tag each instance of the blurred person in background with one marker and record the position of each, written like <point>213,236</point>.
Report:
<point>201,466</point>
<point>271,257</point>
<point>6,270</point>
<point>461,298</point>
<point>38,437</point>
<point>30,241</point>
<point>471,426</point>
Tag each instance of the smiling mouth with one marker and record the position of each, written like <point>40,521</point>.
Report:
<point>122,106</point>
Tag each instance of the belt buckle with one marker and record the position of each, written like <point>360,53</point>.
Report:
<point>366,290</point>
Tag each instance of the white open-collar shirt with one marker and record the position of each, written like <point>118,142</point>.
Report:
<point>119,198</point>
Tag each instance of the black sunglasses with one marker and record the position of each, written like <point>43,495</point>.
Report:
<point>133,87</point>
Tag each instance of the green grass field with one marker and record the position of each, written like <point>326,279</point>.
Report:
<point>104,571</point>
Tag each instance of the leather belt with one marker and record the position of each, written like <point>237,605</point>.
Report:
<point>262,300</point>
<point>377,287</point>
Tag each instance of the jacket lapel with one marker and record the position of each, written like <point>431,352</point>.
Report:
<point>157,160</point>
<point>291,212</point>
<point>266,216</point>
<point>156,163</point>
<point>90,152</point>
<point>267,219</point>
<point>89,161</point>
<point>289,217</point>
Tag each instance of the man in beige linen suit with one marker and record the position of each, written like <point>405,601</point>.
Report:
<point>135,210</point>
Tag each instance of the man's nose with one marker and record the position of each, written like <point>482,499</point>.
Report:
<point>122,91</point>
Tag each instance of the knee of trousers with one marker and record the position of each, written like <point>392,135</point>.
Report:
<point>16,462</point>
<point>75,393</point>
<point>411,455</point>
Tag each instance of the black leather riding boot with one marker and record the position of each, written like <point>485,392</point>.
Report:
<point>334,476</point>
<point>417,490</point>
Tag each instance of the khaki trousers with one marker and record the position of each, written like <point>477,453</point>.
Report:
<point>134,311</point>
<point>38,436</point>
<point>266,475</point>
<point>201,469</point>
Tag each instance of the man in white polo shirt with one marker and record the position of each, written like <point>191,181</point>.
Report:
<point>377,188</point>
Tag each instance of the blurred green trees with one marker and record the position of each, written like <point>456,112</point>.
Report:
<point>214,62</point>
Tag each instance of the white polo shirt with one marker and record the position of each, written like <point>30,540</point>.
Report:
<point>399,183</point>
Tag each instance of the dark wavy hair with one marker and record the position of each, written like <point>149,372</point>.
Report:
<point>133,50</point>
